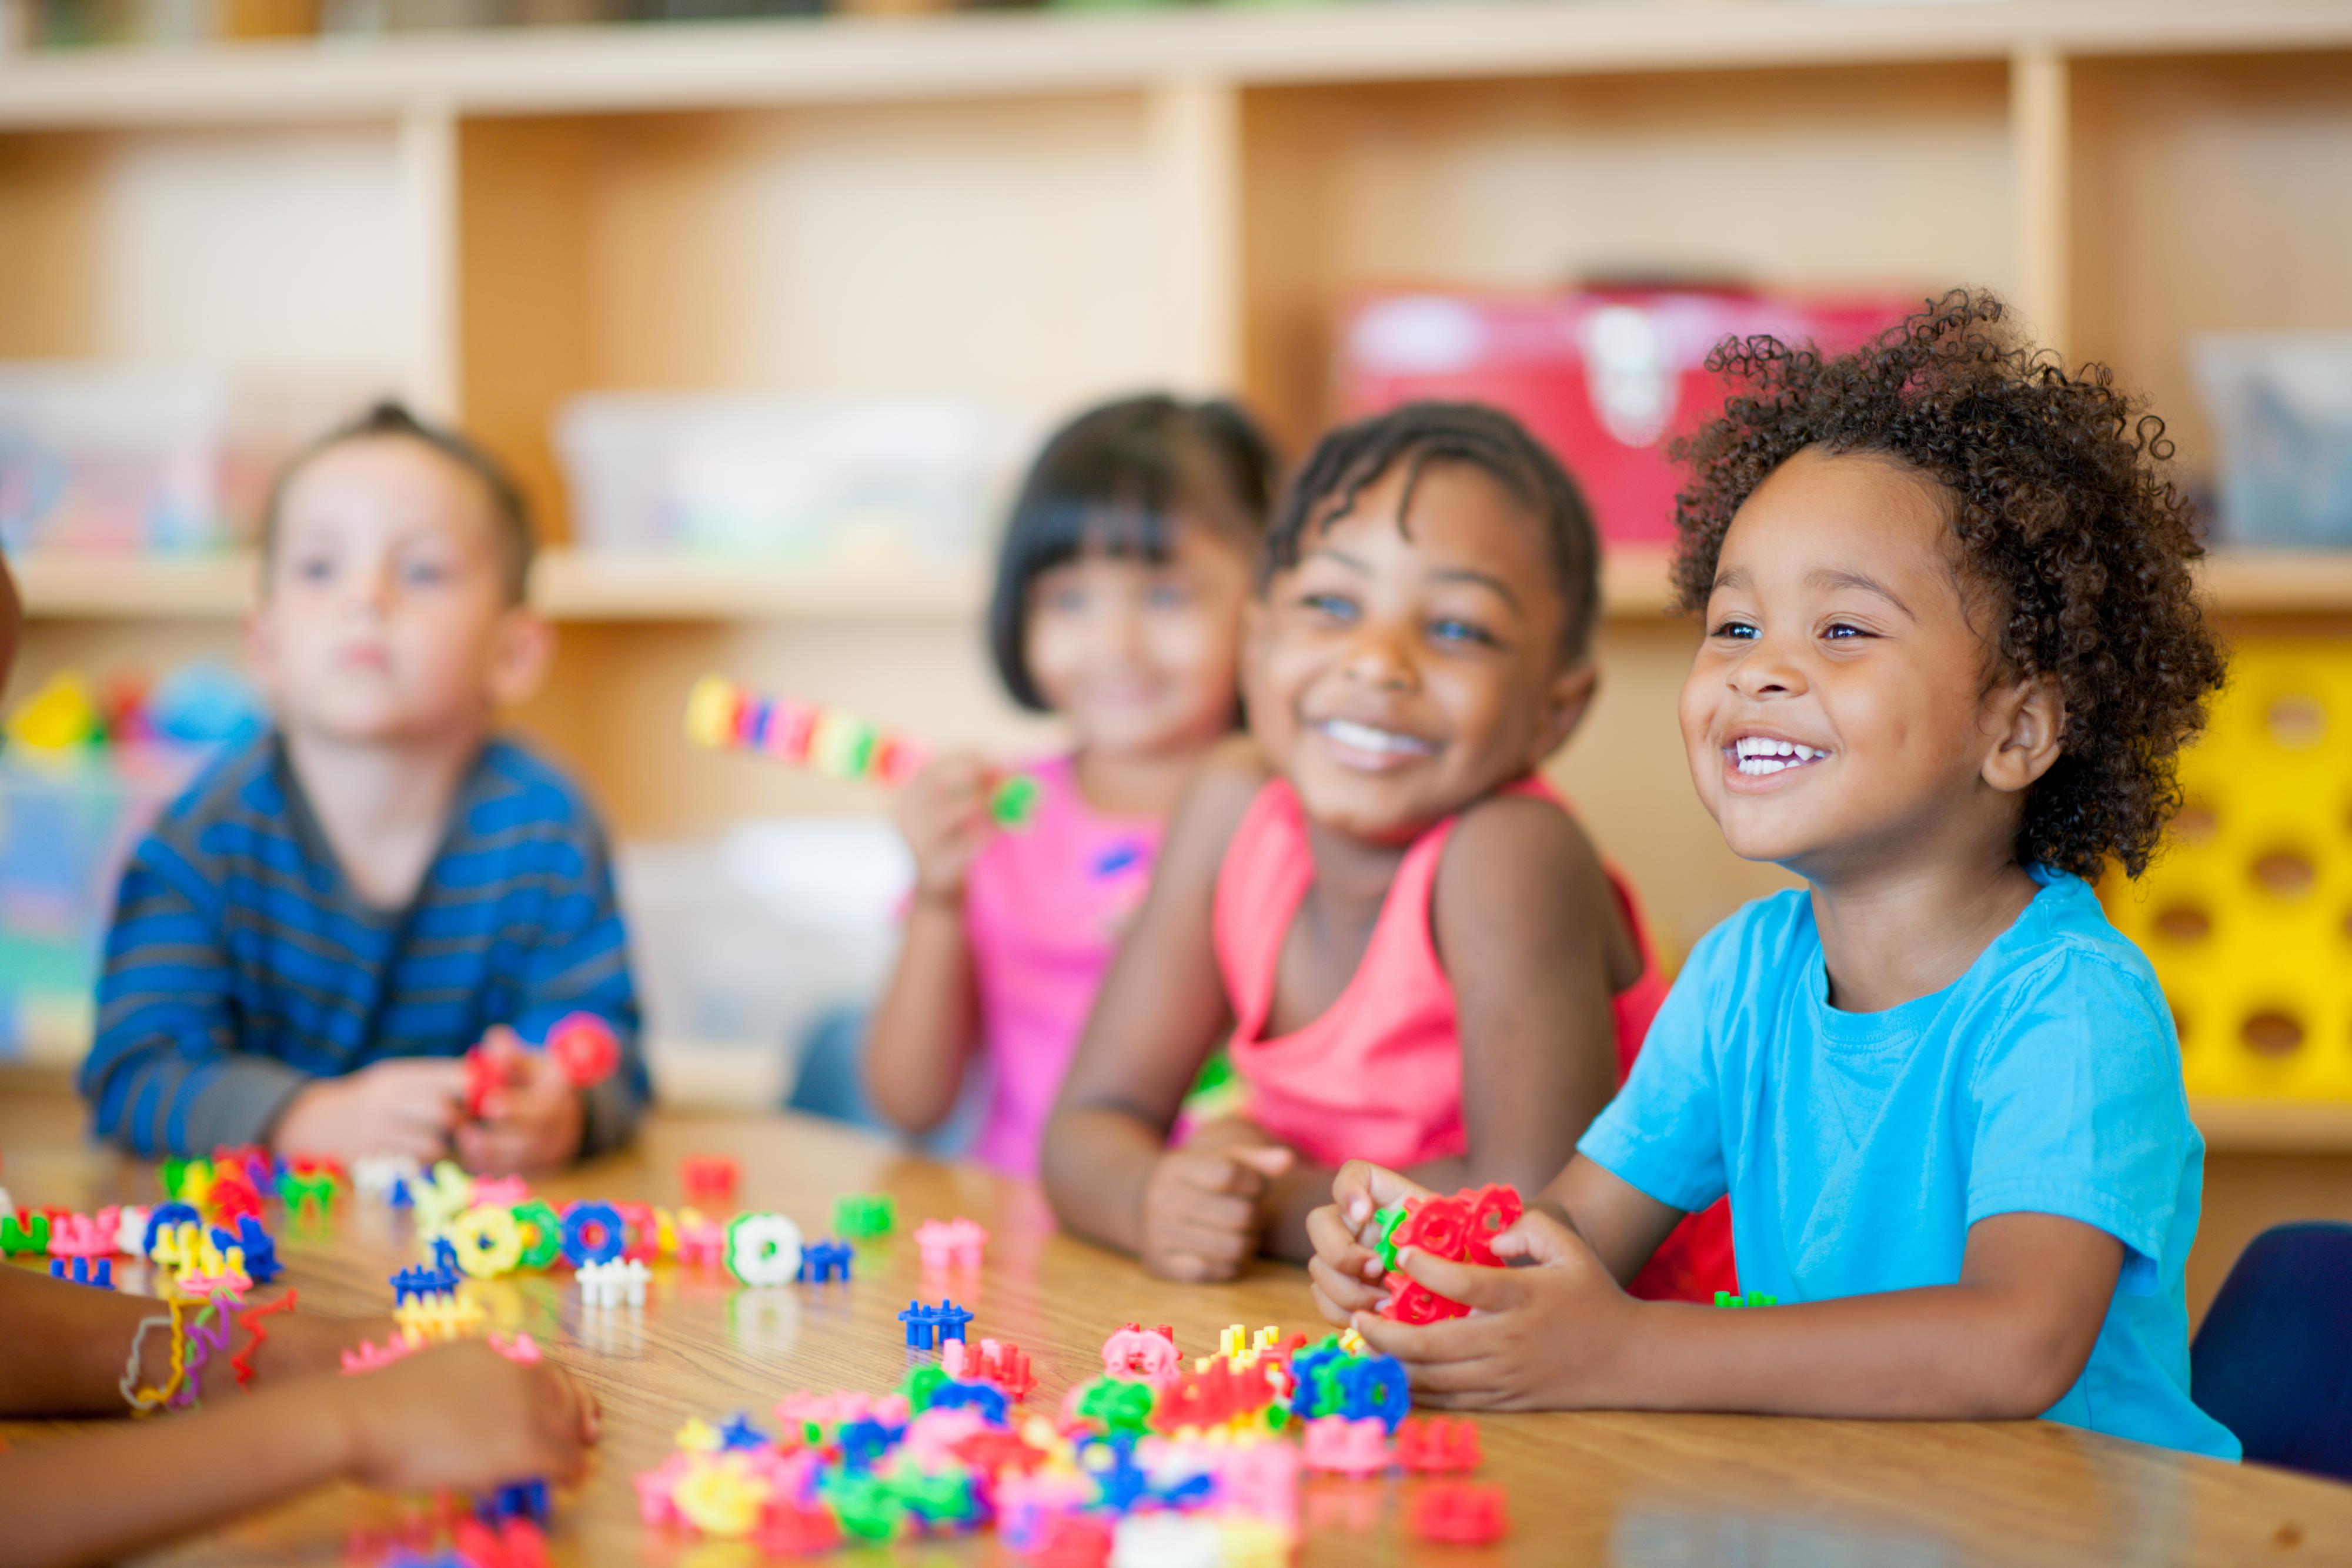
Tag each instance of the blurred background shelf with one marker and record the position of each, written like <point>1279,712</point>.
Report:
<point>712,65</point>
<point>2273,1126</point>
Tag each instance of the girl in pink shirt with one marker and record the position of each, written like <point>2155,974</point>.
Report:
<point>1416,953</point>
<point>1119,599</point>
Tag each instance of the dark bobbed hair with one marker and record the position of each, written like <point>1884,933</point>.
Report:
<point>2065,521</point>
<point>1417,434</point>
<point>392,419</point>
<point>1113,479</point>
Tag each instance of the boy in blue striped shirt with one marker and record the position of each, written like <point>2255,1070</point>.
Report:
<point>312,937</point>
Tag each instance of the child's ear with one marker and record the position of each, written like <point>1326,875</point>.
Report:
<point>520,657</point>
<point>1570,695</point>
<point>2028,722</point>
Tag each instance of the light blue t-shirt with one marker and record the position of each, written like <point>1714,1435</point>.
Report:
<point>1859,1147</point>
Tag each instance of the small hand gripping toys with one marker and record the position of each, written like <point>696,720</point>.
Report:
<point>723,717</point>
<point>1461,1513</point>
<point>1460,1228</point>
<point>763,1249</point>
<point>950,1243</point>
<point>708,1178</point>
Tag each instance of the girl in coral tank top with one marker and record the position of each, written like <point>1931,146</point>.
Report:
<point>1414,951</point>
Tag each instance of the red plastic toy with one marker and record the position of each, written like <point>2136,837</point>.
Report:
<point>643,1235</point>
<point>584,1045</point>
<point>708,1178</point>
<point>1462,1229</point>
<point>1431,1445</point>
<point>233,1198</point>
<point>1462,1512</point>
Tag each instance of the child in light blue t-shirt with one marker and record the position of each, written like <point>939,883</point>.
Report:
<point>1951,649</point>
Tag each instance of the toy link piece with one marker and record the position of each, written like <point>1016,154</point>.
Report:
<point>725,718</point>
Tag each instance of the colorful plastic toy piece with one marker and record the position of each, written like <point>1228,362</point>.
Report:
<point>763,1249</point>
<point>233,1197</point>
<point>642,1230</point>
<point>951,1320</point>
<point>922,1325</point>
<point>489,1241</point>
<point>1115,1404</point>
<point>1461,1513</point>
<point>621,1281</point>
<point>311,1194</point>
<point>703,1241</point>
<point>1149,1355</point>
<point>522,1500</point>
<point>950,1243</point>
<point>1433,1444</point>
<point>502,1191</point>
<point>541,1231</point>
<point>163,1219</point>
<point>418,1282</point>
<point>1460,1228</point>
<point>995,1362</point>
<point>708,1178</point>
<point>592,1233</point>
<point>82,1235</point>
<point>82,1273</point>
<point>129,1227</point>
<point>375,1175</point>
<point>820,1261</point>
<point>439,1198</point>
<point>260,1251</point>
<point>864,1215</point>
<point>1752,1299</point>
<point>22,1237</point>
<point>583,1045</point>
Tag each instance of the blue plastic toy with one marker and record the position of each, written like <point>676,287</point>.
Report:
<point>922,1322</point>
<point>592,1233</point>
<point>162,1217</point>
<point>951,1319</point>
<point>261,1264</point>
<point>820,1261</point>
<point>523,1499</point>
<point>102,1278</point>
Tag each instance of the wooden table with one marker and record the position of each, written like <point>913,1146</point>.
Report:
<point>1643,1491</point>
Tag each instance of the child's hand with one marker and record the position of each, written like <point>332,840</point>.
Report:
<point>1546,1336</point>
<point>299,1344</point>
<point>531,1121</point>
<point>404,1106</point>
<point>463,1416</point>
<point>943,813</point>
<point>1344,1272</point>
<point>1203,1209</point>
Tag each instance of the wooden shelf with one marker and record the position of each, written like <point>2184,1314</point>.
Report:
<point>704,66</point>
<point>588,585</point>
<point>2273,1126</point>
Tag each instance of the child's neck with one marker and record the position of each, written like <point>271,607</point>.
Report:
<point>1891,935</point>
<point>383,806</point>
<point>1134,784</point>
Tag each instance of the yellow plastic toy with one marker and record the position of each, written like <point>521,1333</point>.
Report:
<point>2247,914</point>
<point>59,716</point>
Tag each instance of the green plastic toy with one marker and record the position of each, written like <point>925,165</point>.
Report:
<point>1752,1299</point>
<point>1012,804</point>
<point>864,1506</point>
<point>545,1229</point>
<point>1389,1219</point>
<point>865,1215</point>
<point>312,1193</point>
<point>922,1386</point>
<point>1120,1404</point>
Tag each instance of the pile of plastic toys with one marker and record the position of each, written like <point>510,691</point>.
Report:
<point>1157,1460</point>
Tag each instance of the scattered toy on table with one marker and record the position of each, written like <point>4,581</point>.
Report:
<point>376,1175</point>
<point>865,1215</point>
<point>260,1250</point>
<point>1148,1355</point>
<point>1726,1299</point>
<point>763,1249</point>
<point>503,1191</point>
<point>613,1284</point>
<point>311,1194</point>
<point>592,1233</point>
<point>83,1235</point>
<point>950,1243</point>
<point>1431,1445</point>
<point>1332,1381</point>
<point>439,1198</point>
<point>489,1241</point>
<point>1338,1446</point>
<point>23,1236</point>
<point>994,1361</point>
<point>946,1320</point>
<point>1459,1230</point>
<point>82,1273</point>
<point>1461,1512</point>
<point>162,1221</point>
<point>699,1240</point>
<point>708,1178</point>
<point>723,717</point>
<point>825,1259</point>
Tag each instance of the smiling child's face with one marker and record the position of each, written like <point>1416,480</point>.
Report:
<point>1841,712</point>
<point>1396,674</point>
<point>384,616</point>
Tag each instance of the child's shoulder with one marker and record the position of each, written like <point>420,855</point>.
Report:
<point>520,788</point>
<point>238,788</point>
<point>2063,954</point>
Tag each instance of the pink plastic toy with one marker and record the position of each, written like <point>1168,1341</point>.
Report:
<point>950,1243</point>
<point>501,1192</point>
<point>82,1236</point>
<point>1338,1446</point>
<point>1149,1355</point>
<point>700,1240</point>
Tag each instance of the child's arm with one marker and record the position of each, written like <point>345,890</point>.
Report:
<point>457,1415</point>
<point>1528,929</point>
<point>63,1347</point>
<point>928,1019</point>
<point>1192,1213</point>
<point>579,963</point>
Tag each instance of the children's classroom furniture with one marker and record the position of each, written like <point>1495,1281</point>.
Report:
<point>1582,1489</point>
<point>1038,208</point>
<point>2272,1361</point>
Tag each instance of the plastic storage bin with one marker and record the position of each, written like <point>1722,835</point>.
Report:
<point>1605,378</point>
<point>2281,410</point>
<point>68,822</point>
<point>879,481</point>
<point>742,942</point>
<point>101,459</point>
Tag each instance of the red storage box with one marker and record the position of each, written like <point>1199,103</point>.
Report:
<point>1605,377</point>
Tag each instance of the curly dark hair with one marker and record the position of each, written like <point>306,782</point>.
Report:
<point>1349,459</point>
<point>2063,520</point>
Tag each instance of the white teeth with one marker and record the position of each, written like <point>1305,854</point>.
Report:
<point>1758,755</point>
<point>1378,742</point>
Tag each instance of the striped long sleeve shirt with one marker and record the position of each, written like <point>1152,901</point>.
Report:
<point>242,966</point>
